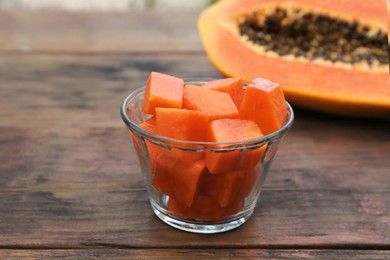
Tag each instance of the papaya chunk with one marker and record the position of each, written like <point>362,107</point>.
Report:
<point>177,179</point>
<point>204,208</point>
<point>214,103</point>
<point>162,91</point>
<point>232,86</point>
<point>223,188</point>
<point>249,182</point>
<point>150,126</point>
<point>153,149</point>
<point>229,130</point>
<point>162,175</point>
<point>265,104</point>
<point>182,124</point>
<point>250,157</point>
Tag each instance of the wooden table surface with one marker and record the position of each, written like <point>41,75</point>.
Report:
<point>70,186</point>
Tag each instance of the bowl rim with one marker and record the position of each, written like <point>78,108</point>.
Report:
<point>168,140</point>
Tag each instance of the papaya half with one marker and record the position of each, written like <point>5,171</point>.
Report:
<point>330,56</point>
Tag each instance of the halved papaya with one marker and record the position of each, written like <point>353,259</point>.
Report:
<point>329,56</point>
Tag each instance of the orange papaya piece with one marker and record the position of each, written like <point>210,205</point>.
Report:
<point>186,153</point>
<point>229,130</point>
<point>233,208</point>
<point>150,126</point>
<point>182,124</point>
<point>264,103</point>
<point>232,86</point>
<point>249,182</point>
<point>177,179</point>
<point>162,91</point>
<point>152,150</point>
<point>214,103</point>
<point>250,157</point>
<point>161,180</point>
<point>204,208</point>
<point>223,188</point>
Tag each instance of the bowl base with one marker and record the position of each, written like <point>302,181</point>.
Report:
<point>198,226</point>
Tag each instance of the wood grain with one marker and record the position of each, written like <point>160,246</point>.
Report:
<point>81,91</point>
<point>70,180</point>
<point>78,187</point>
<point>66,154</point>
<point>83,32</point>
<point>228,254</point>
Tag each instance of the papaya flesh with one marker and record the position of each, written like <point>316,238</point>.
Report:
<point>210,153</point>
<point>330,56</point>
<point>204,208</point>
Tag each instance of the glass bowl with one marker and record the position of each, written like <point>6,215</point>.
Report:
<point>181,191</point>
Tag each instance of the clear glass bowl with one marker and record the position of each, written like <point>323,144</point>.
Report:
<point>186,196</point>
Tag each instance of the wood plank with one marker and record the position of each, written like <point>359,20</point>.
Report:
<point>72,90</point>
<point>194,254</point>
<point>123,218</point>
<point>111,32</point>
<point>72,187</point>
<point>68,178</point>
<point>74,157</point>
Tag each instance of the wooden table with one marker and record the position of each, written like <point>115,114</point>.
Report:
<point>70,186</point>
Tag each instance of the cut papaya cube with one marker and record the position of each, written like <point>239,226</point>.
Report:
<point>250,157</point>
<point>232,86</point>
<point>265,104</point>
<point>186,155</point>
<point>233,208</point>
<point>223,188</point>
<point>162,91</point>
<point>249,182</point>
<point>176,179</point>
<point>182,124</point>
<point>229,130</point>
<point>218,162</point>
<point>149,125</point>
<point>162,176</point>
<point>204,208</point>
<point>214,103</point>
<point>153,149</point>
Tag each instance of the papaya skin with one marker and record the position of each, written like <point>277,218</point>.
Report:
<point>324,88</point>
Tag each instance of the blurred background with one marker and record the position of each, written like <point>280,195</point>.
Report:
<point>103,5</point>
